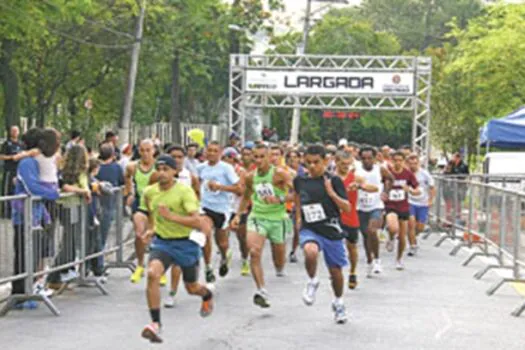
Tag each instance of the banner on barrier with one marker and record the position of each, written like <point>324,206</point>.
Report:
<point>329,82</point>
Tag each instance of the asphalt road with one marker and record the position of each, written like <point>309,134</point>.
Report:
<point>434,304</point>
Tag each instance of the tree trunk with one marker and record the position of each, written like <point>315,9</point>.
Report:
<point>10,85</point>
<point>175,113</point>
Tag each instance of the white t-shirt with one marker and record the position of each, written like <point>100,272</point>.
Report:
<point>48,168</point>
<point>425,181</point>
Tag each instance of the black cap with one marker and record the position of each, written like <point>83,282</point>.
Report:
<point>166,160</point>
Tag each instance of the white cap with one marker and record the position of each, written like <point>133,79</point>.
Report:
<point>343,142</point>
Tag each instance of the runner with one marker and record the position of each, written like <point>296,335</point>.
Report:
<point>185,177</point>
<point>230,156</point>
<point>321,197</point>
<point>350,221</point>
<point>419,205</point>
<point>370,206</point>
<point>293,159</point>
<point>397,208</point>
<point>173,213</point>
<point>137,177</point>
<point>218,182</point>
<point>267,188</point>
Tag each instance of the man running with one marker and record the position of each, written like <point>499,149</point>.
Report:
<point>230,156</point>
<point>218,182</point>
<point>136,179</point>
<point>267,187</point>
<point>419,205</point>
<point>370,206</point>
<point>321,197</point>
<point>172,209</point>
<point>397,208</point>
<point>350,221</point>
<point>185,177</point>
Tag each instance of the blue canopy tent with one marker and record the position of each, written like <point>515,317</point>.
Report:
<point>506,132</point>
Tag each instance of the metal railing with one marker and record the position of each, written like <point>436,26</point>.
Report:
<point>60,242</point>
<point>487,217</point>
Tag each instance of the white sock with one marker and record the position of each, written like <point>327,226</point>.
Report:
<point>314,280</point>
<point>338,301</point>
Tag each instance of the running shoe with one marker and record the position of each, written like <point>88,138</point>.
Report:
<point>412,251</point>
<point>210,276</point>
<point>280,273</point>
<point>352,281</point>
<point>340,316</point>
<point>163,280</point>
<point>377,268</point>
<point>293,257</point>
<point>207,307</point>
<point>152,333</point>
<point>225,264</point>
<point>382,236</point>
<point>309,293</point>
<point>68,276</point>
<point>40,289</point>
<point>261,299</point>
<point>137,275</point>
<point>245,269</point>
<point>369,270</point>
<point>399,265</point>
<point>389,244</point>
<point>169,301</point>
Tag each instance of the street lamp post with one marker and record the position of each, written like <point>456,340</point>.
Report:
<point>301,50</point>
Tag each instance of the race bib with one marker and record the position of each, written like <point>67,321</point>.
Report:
<point>264,190</point>
<point>198,237</point>
<point>366,199</point>
<point>396,195</point>
<point>313,213</point>
<point>206,188</point>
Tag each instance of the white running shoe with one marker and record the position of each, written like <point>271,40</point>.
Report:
<point>412,251</point>
<point>280,273</point>
<point>169,301</point>
<point>309,293</point>
<point>390,245</point>
<point>340,316</point>
<point>39,289</point>
<point>369,270</point>
<point>399,265</point>
<point>377,268</point>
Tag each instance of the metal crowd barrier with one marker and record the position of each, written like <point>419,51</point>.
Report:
<point>58,243</point>
<point>484,216</point>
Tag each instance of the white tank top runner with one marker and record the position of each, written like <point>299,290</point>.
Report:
<point>367,201</point>
<point>185,177</point>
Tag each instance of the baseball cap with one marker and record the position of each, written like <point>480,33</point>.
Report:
<point>343,142</point>
<point>166,160</point>
<point>230,152</point>
<point>249,145</point>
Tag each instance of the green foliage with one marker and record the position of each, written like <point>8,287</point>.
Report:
<point>482,77</point>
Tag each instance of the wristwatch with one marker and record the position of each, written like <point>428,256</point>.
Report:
<point>282,199</point>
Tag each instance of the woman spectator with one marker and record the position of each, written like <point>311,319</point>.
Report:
<point>73,179</point>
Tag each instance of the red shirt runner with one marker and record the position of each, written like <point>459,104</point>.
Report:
<point>398,198</point>
<point>350,219</point>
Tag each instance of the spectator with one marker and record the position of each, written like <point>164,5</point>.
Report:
<point>73,179</point>
<point>10,148</point>
<point>28,183</point>
<point>93,237</point>
<point>459,167</point>
<point>191,160</point>
<point>74,140</point>
<point>110,172</point>
<point>112,138</point>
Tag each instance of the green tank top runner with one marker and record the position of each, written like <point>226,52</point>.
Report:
<point>262,187</point>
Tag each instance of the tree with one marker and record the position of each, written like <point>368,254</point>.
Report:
<point>480,78</point>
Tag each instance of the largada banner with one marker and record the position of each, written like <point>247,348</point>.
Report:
<point>310,83</point>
